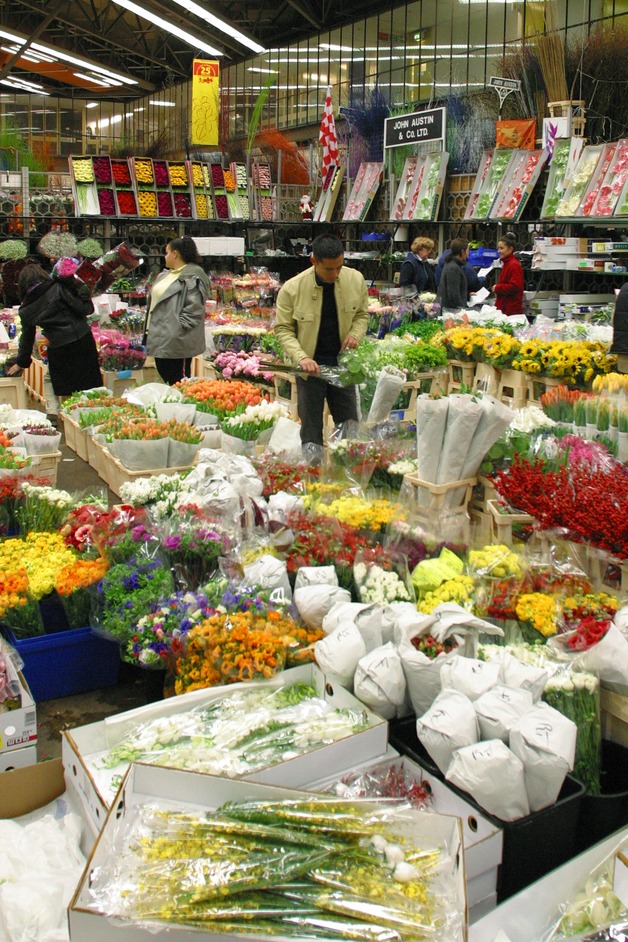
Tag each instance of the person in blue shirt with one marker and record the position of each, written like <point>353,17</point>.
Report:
<point>473,279</point>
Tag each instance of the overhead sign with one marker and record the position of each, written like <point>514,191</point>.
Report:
<point>415,128</point>
<point>205,88</point>
<point>503,87</point>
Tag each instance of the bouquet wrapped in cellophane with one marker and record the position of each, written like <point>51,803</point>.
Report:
<point>298,868</point>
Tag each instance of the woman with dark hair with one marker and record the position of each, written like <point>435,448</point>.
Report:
<point>509,287</point>
<point>175,322</point>
<point>60,307</point>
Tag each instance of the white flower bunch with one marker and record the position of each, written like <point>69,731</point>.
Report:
<point>261,414</point>
<point>570,681</point>
<point>340,447</point>
<point>404,466</point>
<point>236,329</point>
<point>530,418</point>
<point>162,491</point>
<point>377,585</point>
<point>50,495</point>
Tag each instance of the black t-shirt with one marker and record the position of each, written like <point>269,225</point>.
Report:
<point>328,342</point>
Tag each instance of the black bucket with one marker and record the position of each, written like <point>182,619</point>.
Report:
<point>601,815</point>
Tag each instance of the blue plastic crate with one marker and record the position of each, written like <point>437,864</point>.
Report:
<point>482,257</point>
<point>66,662</point>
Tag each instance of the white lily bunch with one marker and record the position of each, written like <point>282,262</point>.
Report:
<point>378,586</point>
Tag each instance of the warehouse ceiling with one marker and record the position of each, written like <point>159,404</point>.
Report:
<point>62,46</point>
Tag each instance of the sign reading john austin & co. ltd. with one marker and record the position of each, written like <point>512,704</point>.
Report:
<point>417,127</point>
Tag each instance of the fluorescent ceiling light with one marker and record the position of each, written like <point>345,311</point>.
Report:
<point>57,54</point>
<point>191,40</point>
<point>252,68</point>
<point>162,104</point>
<point>22,55</point>
<point>90,78</point>
<point>22,88</point>
<point>333,48</point>
<point>92,104</point>
<point>226,28</point>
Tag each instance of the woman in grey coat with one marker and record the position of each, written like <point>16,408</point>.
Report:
<point>175,322</point>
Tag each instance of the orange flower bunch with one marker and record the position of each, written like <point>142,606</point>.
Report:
<point>80,574</point>
<point>13,590</point>
<point>146,430</point>
<point>230,183</point>
<point>4,441</point>
<point>221,397</point>
<point>239,646</point>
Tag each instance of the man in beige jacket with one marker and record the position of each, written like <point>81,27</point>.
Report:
<point>321,312</point>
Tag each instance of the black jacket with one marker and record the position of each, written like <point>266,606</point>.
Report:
<point>60,311</point>
<point>418,272</point>
<point>473,279</point>
<point>453,289</point>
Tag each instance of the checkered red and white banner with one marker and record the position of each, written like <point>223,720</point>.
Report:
<point>327,136</point>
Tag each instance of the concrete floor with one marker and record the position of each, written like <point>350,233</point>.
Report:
<point>135,687</point>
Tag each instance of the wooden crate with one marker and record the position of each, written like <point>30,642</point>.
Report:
<point>606,572</point>
<point>486,379</point>
<point>34,380</point>
<point>70,430</point>
<point>482,526</point>
<point>461,373</point>
<point>47,466</point>
<point>503,523</point>
<point>117,382</point>
<point>537,385</point>
<point>513,389</point>
<point>290,402</point>
<point>482,493</point>
<point>13,391</point>
<point>95,456</point>
<point>432,382</point>
<point>116,474</point>
<point>436,498</point>
<point>614,716</point>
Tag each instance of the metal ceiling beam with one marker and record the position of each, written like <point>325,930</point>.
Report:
<point>6,68</point>
<point>305,13</point>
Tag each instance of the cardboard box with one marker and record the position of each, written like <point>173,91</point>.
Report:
<point>527,915</point>
<point>17,758</point>
<point>84,742</point>
<point>172,788</point>
<point>26,789</point>
<point>482,839</point>
<point>18,728</point>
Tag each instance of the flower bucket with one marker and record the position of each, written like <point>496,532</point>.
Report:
<point>182,454</point>
<point>180,411</point>
<point>237,446</point>
<point>142,455</point>
<point>41,444</point>
<point>622,447</point>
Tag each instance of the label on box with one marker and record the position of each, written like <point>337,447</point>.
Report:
<point>19,732</point>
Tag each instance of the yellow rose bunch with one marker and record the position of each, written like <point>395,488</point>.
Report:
<point>362,514</point>
<point>538,611</point>
<point>457,590</point>
<point>496,560</point>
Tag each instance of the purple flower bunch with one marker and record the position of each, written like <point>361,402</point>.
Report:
<point>160,634</point>
<point>242,363</point>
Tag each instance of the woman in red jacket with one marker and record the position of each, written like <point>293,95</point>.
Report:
<point>509,288</point>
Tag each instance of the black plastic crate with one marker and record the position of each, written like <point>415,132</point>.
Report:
<point>601,815</point>
<point>533,845</point>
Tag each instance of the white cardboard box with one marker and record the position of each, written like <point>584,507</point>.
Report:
<point>18,728</point>
<point>17,758</point>
<point>483,840</point>
<point>81,743</point>
<point>525,916</point>
<point>174,788</point>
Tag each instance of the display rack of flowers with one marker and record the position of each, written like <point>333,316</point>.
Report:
<point>236,338</point>
<point>584,171</point>
<point>518,183</point>
<point>219,192</point>
<point>491,174</point>
<point>564,159</point>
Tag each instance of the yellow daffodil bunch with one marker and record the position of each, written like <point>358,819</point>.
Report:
<point>42,555</point>
<point>362,514</point>
<point>496,560</point>
<point>539,612</point>
<point>459,590</point>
